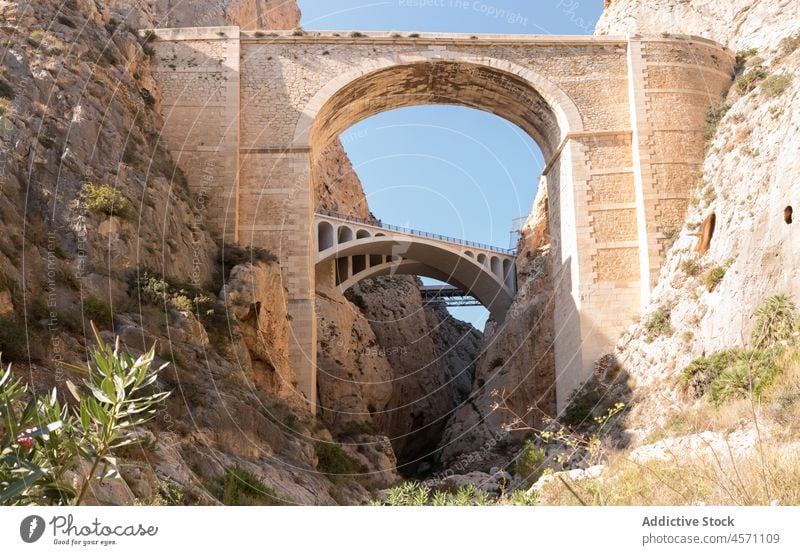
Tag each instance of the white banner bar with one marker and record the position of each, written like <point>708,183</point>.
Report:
<point>387,531</point>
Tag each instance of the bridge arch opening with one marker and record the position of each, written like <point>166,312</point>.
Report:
<point>345,234</point>
<point>324,236</point>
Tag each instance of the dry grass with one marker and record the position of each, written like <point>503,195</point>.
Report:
<point>717,479</point>
<point>721,474</point>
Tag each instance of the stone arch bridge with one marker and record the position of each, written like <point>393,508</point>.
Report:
<point>620,121</point>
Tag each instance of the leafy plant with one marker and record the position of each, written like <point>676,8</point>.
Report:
<point>414,494</point>
<point>750,80</point>
<point>714,116</point>
<point>42,440</point>
<point>13,339</point>
<point>240,487</point>
<point>715,276</point>
<point>529,465</point>
<point>6,90</point>
<point>776,322</point>
<point>105,199</point>
<point>748,375</point>
<point>332,460</point>
<point>658,324</point>
<point>691,267</point>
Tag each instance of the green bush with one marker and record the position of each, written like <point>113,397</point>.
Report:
<point>743,55</point>
<point>691,267</point>
<point>104,199</point>
<point>775,85</point>
<point>332,460</point>
<point>232,255</point>
<point>6,90</point>
<point>353,429</point>
<point>749,374</point>
<point>413,494</point>
<point>714,116</point>
<point>529,465</point>
<point>239,487</point>
<point>750,80</point>
<point>701,372</point>
<point>776,322</point>
<point>97,311</point>
<point>658,324</point>
<point>714,277</point>
<point>13,340</point>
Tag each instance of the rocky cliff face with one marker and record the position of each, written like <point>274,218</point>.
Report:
<point>748,185</point>
<point>431,356</point>
<point>247,14</point>
<point>101,216</point>
<point>738,24</point>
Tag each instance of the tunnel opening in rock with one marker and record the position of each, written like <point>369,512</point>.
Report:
<point>787,214</point>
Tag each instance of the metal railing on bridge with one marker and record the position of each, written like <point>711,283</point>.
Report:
<point>415,232</point>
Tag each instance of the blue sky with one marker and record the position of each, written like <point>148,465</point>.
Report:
<point>446,169</point>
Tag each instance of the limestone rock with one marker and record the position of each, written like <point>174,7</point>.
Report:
<point>738,24</point>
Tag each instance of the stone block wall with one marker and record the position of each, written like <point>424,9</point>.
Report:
<point>620,121</point>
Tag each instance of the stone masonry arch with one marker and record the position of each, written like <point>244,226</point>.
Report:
<point>620,120</point>
<point>567,115</point>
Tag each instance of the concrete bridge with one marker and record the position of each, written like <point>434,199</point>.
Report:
<point>620,121</point>
<point>349,250</point>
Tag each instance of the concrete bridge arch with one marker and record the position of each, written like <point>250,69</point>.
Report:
<point>348,251</point>
<point>620,120</point>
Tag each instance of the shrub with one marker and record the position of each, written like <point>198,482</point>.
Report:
<point>790,44</point>
<point>13,340</point>
<point>232,255</point>
<point>750,80</point>
<point>413,494</point>
<point>356,35</point>
<point>658,324</point>
<point>749,374</point>
<point>529,464</point>
<point>714,277</point>
<point>775,85</point>
<point>776,322</point>
<point>701,372</point>
<point>104,199</point>
<point>353,429</point>
<point>332,460</point>
<point>42,439</point>
<point>670,237</point>
<point>714,116</point>
<point>6,90</point>
<point>691,267</point>
<point>239,487</point>
<point>743,55</point>
<point>97,311</point>
<point>298,32</point>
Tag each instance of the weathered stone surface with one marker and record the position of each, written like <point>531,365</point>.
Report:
<point>738,24</point>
